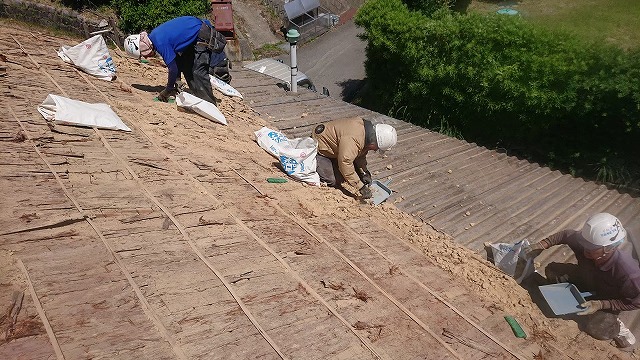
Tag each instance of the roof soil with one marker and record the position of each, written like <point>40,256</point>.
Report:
<point>168,242</point>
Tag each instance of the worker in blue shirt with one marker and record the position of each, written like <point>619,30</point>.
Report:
<point>186,45</point>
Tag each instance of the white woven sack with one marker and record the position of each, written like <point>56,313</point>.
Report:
<point>297,156</point>
<point>91,56</point>
<point>65,111</point>
<point>299,160</point>
<point>200,107</point>
<point>224,87</point>
<point>510,259</point>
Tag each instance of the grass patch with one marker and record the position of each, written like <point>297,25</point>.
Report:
<point>612,21</point>
<point>268,51</point>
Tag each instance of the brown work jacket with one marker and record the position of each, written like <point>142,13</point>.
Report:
<point>344,140</point>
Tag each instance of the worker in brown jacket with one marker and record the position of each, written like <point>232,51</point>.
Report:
<point>342,151</point>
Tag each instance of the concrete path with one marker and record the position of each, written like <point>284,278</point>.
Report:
<point>335,61</point>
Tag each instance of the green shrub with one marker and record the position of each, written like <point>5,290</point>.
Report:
<point>427,7</point>
<point>136,15</point>
<point>85,4</point>
<point>503,82</point>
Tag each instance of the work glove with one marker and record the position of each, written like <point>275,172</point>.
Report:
<point>533,250</point>
<point>562,278</point>
<point>590,307</point>
<point>165,94</point>
<point>366,178</point>
<point>365,192</point>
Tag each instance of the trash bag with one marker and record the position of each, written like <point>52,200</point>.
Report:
<point>297,156</point>
<point>510,259</point>
<point>91,56</point>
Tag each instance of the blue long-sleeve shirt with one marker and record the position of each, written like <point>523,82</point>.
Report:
<point>173,37</point>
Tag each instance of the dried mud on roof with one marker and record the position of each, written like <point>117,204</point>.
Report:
<point>167,242</point>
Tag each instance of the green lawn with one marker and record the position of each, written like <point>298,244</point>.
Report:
<point>614,21</point>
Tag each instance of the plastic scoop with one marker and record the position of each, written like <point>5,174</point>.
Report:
<point>276,180</point>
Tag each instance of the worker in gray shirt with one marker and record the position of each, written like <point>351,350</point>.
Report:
<point>613,275</point>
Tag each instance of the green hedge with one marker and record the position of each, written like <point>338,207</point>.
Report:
<point>502,82</point>
<point>136,15</point>
<point>85,4</point>
<point>428,7</point>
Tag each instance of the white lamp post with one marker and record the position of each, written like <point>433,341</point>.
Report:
<point>292,36</point>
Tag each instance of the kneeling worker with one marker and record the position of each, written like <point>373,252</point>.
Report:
<point>611,274</point>
<point>186,45</point>
<point>342,151</point>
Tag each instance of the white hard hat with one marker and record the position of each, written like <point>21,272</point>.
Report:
<point>386,136</point>
<point>132,45</point>
<point>603,229</point>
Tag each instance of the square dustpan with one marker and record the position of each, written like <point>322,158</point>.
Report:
<point>380,191</point>
<point>563,298</point>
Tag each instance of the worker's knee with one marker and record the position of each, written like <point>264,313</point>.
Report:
<point>602,325</point>
<point>201,87</point>
<point>325,170</point>
<point>328,177</point>
<point>559,272</point>
<point>331,181</point>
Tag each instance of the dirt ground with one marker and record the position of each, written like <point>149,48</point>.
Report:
<point>257,22</point>
<point>234,147</point>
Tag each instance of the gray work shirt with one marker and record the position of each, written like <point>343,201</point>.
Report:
<point>617,280</point>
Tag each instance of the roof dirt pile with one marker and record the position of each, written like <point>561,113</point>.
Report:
<point>168,242</point>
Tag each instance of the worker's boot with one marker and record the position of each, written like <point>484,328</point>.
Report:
<point>625,338</point>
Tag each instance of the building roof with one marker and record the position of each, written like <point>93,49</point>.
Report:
<point>168,242</point>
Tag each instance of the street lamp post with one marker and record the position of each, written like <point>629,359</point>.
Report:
<point>292,36</point>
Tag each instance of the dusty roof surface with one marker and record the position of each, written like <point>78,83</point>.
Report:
<point>167,242</point>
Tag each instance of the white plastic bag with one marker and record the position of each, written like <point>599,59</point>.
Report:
<point>200,107</point>
<point>91,56</point>
<point>62,110</point>
<point>297,156</point>
<point>224,87</point>
<point>510,259</point>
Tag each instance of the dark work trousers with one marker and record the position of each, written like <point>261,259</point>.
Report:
<point>328,170</point>
<point>194,65</point>
<point>603,324</point>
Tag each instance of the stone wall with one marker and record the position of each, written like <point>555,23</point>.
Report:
<point>49,16</point>
<point>277,6</point>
